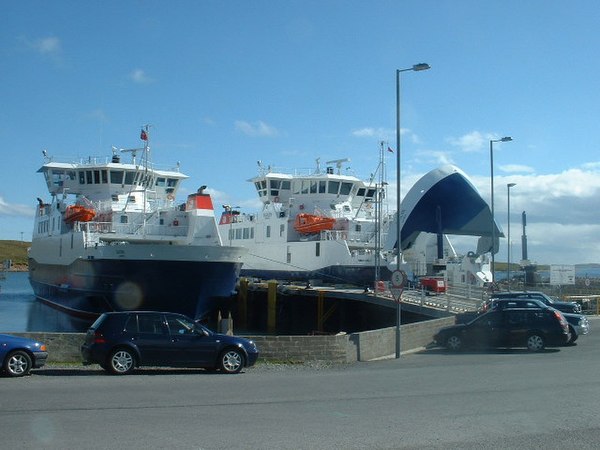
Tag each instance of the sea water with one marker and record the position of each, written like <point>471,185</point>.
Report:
<point>20,311</point>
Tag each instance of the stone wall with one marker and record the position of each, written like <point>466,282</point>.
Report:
<point>340,348</point>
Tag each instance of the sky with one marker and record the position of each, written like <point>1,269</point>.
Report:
<point>225,84</point>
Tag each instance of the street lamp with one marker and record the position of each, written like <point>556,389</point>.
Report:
<point>504,139</point>
<point>414,68</point>
<point>508,186</point>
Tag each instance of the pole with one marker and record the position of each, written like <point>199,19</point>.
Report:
<point>504,139</point>
<point>398,204</point>
<point>508,186</point>
<point>416,68</point>
<point>492,267</point>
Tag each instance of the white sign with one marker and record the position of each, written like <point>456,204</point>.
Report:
<point>396,292</point>
<point>561,275</point>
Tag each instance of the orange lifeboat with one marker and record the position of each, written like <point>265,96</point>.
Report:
<point>310,223</point>
<point>78,213</point>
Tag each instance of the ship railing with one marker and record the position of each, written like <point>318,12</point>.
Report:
<point>353,238</point>
<point>93,229</point>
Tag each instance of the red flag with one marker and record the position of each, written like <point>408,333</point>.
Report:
<point>390,150</point>
<point>143,135</point>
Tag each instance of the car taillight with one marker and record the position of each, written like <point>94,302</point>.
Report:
<point>561,319</point>
<point>99,338</point>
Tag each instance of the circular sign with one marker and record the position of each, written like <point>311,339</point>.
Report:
<point>398,278</point>
<point>587,282</point>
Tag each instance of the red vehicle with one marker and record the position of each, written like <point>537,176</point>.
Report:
<point>434,284</point>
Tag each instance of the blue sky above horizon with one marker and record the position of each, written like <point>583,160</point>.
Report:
<point>227,83</point>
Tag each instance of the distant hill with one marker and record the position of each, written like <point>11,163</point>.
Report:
<point>16,251</point>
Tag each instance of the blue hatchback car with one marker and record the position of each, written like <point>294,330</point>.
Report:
<point>19,355</point>
<point>121,341</point>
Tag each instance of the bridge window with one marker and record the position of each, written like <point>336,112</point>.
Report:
<point>346,188</point>
<point>322,186</point>
<point>334,187</point>
<point>116,177</point>
<point>129,177</point>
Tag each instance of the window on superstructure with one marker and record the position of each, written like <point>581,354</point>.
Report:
<point>281,230</point>
<point>116,176</point>
<point>246,233</point>
<point>361,192</point>
<point>370,193</point>
<point>322,186</point>
<point>313,186</point>
<point>305,186</point>
<point>172,182</point>
<point>238,233</point>
<point>96,177</point>
<point>160,181</point>
<point>268,233</point>
<point>89,178</point>
<point>317,249</point>
<point>104,176</point>
<point>81,177</point>
<point>296,186</point>
<point>124,219</point>
<point>231,234</point>
<point>346,188</point>
<point>334,187</point>
<point>129,177</point>
<point>285,185</point>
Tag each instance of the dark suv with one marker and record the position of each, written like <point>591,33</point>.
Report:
<point>121,341</point>
<point>568,307</point>
<point>578,323</point>
<point>534,328</point>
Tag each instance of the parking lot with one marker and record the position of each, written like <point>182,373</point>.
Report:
<point>432,399</point>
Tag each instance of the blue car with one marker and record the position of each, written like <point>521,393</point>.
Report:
<point>19,355</point>
<point>121,341</point>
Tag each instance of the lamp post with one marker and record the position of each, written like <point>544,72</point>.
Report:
<point>508,186</point>
<point>504,139</point>
<point>414,68</point>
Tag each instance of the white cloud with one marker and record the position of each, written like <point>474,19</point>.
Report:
<point>517,168</point>
<point>259,128</point>
<point>48,46</point>
<point>470,142</point>
<point>474,141</point>
<point>15,210</point>
<point>139,76</point>
<point>385,134</point>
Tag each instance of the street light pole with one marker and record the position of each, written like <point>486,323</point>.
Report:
<point>415,68</point>
<point>504,139</point>
<point>508,186</point>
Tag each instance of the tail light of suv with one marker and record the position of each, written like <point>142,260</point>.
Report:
<point>563,322</point>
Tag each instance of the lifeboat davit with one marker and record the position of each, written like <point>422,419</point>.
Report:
<point>310,223</point>
<point>78,213</point>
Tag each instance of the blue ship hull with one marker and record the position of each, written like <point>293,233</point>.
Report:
<point>89,287</point>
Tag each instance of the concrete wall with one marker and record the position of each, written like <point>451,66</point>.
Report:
<point>341,348</point>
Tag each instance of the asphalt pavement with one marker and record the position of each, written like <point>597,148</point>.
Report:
<point>428,399</point>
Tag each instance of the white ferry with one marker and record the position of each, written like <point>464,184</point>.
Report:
<point>330,226</point>
<point>113,237</point>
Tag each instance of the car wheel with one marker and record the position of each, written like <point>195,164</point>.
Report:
<point>454,343</point>
<point>574,335</point>
<point>535,343</point>
<point>17,364</point>
<point>231,361</point>
<point>121,361</point>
